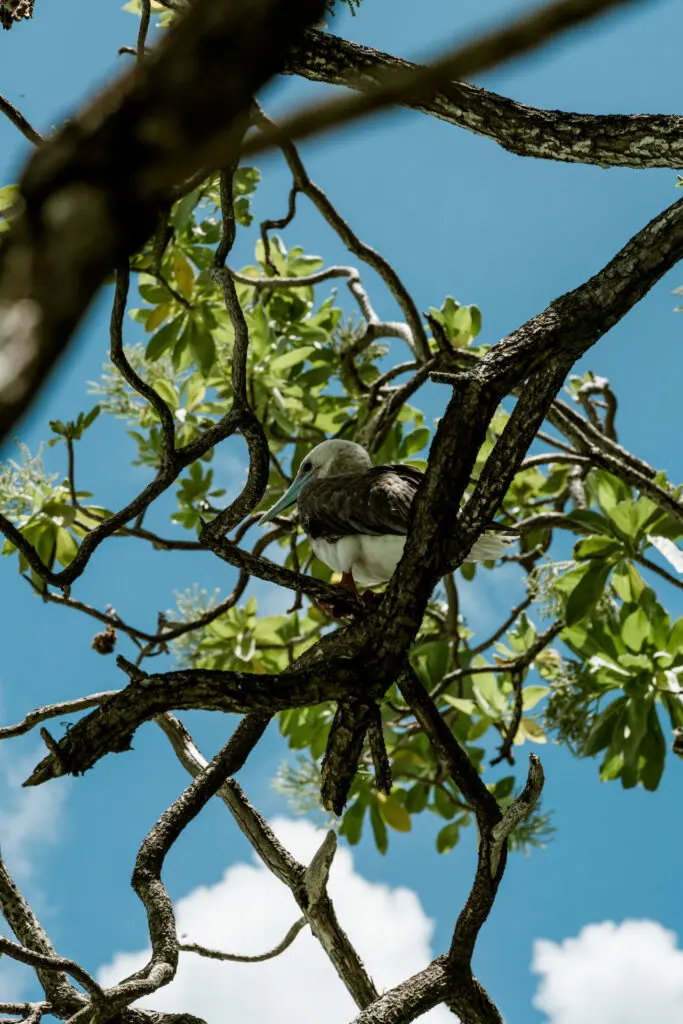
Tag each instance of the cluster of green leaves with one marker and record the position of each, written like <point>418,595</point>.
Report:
<point>619,631</point>
<point>42,506</point>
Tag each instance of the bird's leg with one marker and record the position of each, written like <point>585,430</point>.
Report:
<point>347,582</point>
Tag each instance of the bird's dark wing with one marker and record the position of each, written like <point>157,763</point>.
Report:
<point>375,501</point>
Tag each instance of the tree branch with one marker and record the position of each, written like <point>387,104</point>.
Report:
<point>605,140</point>
<point>110,728</point>
<point>303,183</point>
<point>319,911</point>
<point>18,119</point>
<point>484,52</point>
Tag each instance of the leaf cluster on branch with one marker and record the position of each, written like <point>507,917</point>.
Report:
<point>402,709</point>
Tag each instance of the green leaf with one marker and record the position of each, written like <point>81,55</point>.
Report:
<point>417,797</point>
<point>183,211</point>
<point>639,662</point>
<point>488,695</point>
<point>531,695</point>
<point>461,703</point>
<point>203,348</point>
<point>182,271</point>
<point>291,358</point>
<point>60,512</point>
<point>611,767</point>
<point>624,519</point>
<point>653,750</point>
<point>597,547</point>
<point>157,316</point>
<point>394,813</point>
<point>379,829</point>
<point>448,837</point>
<point>91,416</point>
<point>593,520</point>
<point>600,735</point>
<point>443,803</point>
<point>167,392</point>
<point>414,442</point>
<point>609,490</point>
<point>163,340</point>
<point>504,787</point>
<point>636,629</point>
<point>587,592</point>
<point>352,822</point>
<point>675,641</point>
<point>66,547</point>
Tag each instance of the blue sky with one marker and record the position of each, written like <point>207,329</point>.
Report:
<point>456,215</point>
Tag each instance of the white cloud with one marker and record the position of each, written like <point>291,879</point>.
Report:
<point>629,973</point>
<point>249,911</point>
<point>29,818</point>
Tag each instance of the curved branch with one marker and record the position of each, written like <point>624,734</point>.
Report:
<point>217,954</point>
<point>51,963</point>
<point>319,910</point>
<point>30,932</point>
<point>303,183</point>
<point>605,140</point>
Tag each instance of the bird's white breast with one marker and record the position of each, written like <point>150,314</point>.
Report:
<point>370,559</point>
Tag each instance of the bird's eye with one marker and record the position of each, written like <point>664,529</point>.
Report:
<point>307,466</point>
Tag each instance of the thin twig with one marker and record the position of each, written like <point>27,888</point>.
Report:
<point>305,185</point>
<point>18,119</point>
<point>145,12</point>
<point>217,954</point>
<point>505,749</point>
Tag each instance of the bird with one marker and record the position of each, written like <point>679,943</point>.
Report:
<point>356,514</point>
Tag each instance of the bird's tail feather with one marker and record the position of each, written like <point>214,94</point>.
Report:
<point>491,545</point>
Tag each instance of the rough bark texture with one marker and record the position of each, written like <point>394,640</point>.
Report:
<point>606,140</point>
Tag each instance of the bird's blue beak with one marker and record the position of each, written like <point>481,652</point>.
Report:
<point>287,499</point>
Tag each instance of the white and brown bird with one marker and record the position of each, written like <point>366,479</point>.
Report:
<point>356,514</point>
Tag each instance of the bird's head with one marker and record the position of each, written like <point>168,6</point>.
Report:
<point>330,458</point>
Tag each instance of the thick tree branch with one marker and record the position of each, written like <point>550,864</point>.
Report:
<point>605,140</point>
<point>486,51</point>
<point>110,728</point>
<point>574,322</point>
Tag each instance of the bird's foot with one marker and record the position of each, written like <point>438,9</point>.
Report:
<point>335,610</point>
<point>341,610</point>
<point>371,599</point>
